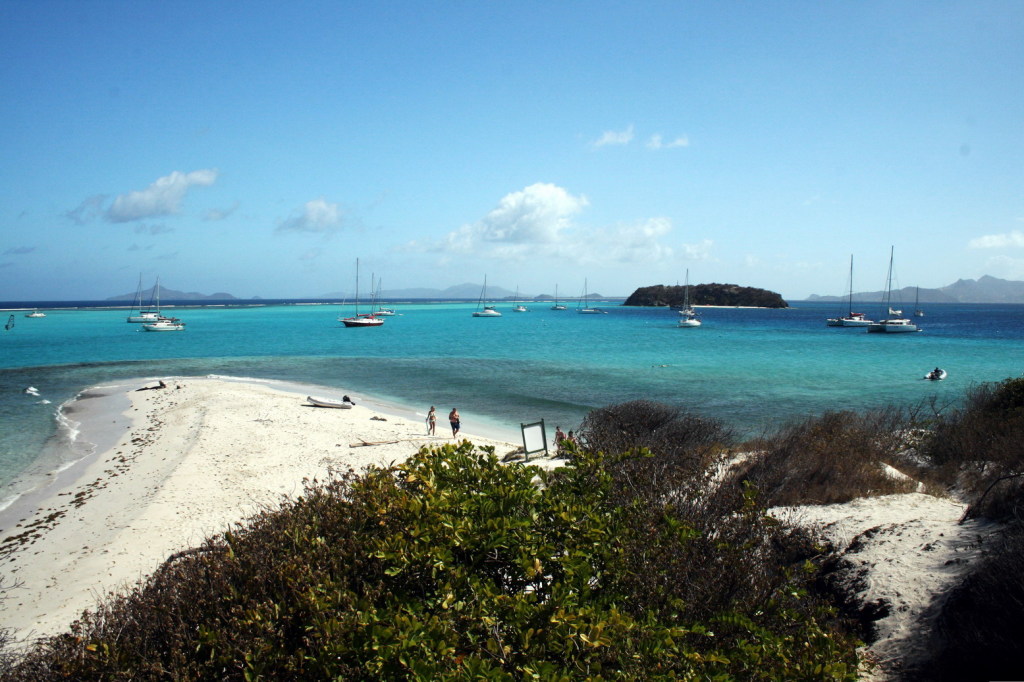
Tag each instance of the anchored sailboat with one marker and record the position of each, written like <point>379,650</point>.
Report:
<point>893,324</point>
<point>688,316</point>
<point>162,323</point>
<point>585,302</point>
<point>851,319</point>
<point>482,309</point>
<point>518,307</point>
<point>137,315</point>
<point>557,305</point>
<point>364,320</point>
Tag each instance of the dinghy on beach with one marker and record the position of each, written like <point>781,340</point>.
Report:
<point>343,404</point>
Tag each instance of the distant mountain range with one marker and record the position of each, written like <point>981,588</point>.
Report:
<point>985,290</point>
<point>463,291</point>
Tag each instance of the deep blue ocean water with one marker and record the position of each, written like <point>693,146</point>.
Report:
<point>752,368</point>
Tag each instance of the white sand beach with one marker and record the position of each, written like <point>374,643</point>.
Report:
<point>205,453</point>
<point>195,458</point>
<point>900,553</point>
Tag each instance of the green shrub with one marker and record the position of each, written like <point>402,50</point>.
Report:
<point>979,446</point>
<point>453,566</point>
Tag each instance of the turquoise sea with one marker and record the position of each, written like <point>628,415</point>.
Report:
<point>752,368</point>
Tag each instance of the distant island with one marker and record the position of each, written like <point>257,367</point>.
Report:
<point>985,290</point>
<point>706,294</point>
<point>172,295</point>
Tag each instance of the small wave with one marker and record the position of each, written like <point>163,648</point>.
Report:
<point>68,428</point>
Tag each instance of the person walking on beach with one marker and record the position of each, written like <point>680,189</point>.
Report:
<point>431,422</point>
<point>559,439</point>
<point>453,417</point>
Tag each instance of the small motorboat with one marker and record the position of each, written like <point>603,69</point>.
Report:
<point>344,404</point>
<point>937,374</point>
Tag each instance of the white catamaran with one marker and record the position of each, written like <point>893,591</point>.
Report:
<point>893,323</point>
<point>137,315</point>
<point>162,323</point>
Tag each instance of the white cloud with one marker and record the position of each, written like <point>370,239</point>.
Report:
<point>614,137</point>
<point>1005,267</point>
<point>87,210</point>
<point>318,216</point>
<point>657,142</point>
<point>163,197</point>
<point>534,216</point>
<point>220,213</point>
<point>698,251</point>
<point>152,229</point>
<point>538,222</point>
<point>996,241</point>
<point>630,243</point>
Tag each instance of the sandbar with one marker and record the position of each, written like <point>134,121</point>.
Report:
<point>191,460</point>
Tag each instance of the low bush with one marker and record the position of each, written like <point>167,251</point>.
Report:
<point>832,458</point>
<point>680,439</point>
<point>980,446</point>
<point>452,566</point>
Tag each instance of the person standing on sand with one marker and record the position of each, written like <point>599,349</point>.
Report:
<point>559,439</point>
<point>453,417</point>
<point>431,422</point>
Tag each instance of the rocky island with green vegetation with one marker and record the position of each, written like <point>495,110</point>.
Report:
<point>706,294</point>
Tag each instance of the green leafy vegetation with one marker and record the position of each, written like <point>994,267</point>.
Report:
<point>455,566</point>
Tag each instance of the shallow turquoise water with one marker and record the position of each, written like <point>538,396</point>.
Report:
<point>751,368</point>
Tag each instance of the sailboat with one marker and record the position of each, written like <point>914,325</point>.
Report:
<point>364,320</point>
<point>893,324</point>
<point>380,310</point>
<point>688,316</point>
<point>585,301</point>
<point>851,319</point>
<point>137,314</point>
<point>557,305</point>
<point>917,304</point>
<point>10,324</point>
<point>517,306</point>
<point>162,323</point>
<point>483,310</point>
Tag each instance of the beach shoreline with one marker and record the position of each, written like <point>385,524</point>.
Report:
<point>180,464</point>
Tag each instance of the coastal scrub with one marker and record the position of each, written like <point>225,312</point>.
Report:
<point>455,566</point>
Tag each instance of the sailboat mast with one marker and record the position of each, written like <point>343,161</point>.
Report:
<point>851,285</point>
<point>888,285</point>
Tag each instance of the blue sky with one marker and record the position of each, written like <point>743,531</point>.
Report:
<point>259,148</point>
